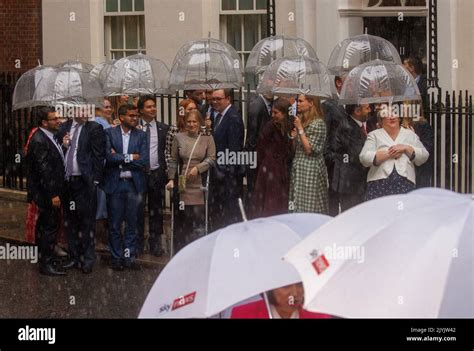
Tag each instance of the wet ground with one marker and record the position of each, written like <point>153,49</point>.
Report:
<point>104,293</point>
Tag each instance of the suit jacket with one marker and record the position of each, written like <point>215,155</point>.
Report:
<point>424,173</point>
<point>334,115</point>
<point>90,150</point>
<point>257,117</point>
<point>229,136</point>
<point>423,88</point>
<point>258,310</point>
<point>46,173</point>
<point>350,177</point>
<point>116,162</point>
<point>162,131</point>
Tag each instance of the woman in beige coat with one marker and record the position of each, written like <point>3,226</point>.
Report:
<point>193,153</point>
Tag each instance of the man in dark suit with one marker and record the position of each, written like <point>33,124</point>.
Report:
<point>226,177</point>
<point>334,115</point>
<point>128,156</point>
<point>415,67</point>
<point>156,176</point>
<point>259,113</point>
<point>350,177</point>
<point>45,185</point>
<point>84,142</point>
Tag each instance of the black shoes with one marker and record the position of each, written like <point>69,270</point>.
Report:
<point>132,265</point>
<point>70,264</point>
<point>49,269</point>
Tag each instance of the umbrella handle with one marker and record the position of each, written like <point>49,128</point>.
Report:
<point>267,304</point>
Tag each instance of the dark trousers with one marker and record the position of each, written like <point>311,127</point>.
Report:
<point>190,226</point>
<point>80,207</point>
<point>123,205</point>
<point>333,202</point>
<point>224,207</point>
<point>155,196</point>
<point>47,229</point>
<point>350,200</point>
<point>251,175</point>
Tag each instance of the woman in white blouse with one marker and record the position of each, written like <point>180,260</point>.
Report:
<point>391,152</point>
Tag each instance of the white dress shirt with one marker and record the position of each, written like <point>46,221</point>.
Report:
<point>380,140</point>
<point>75,128</point>
<point>222,116</point>
<point>51,137</point>
<point>154,163</point>
<point>125,142</point>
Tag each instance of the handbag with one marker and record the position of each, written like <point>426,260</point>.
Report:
<point>182,177</point>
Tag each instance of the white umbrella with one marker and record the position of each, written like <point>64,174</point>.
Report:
<point>402,256</point>
<point>228,266</point>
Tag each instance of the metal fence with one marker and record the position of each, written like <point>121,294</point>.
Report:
<point>450,115</point>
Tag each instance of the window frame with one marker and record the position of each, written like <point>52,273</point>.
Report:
<point>124,13</point>
<point>237,11</point>
<point>109,51</point>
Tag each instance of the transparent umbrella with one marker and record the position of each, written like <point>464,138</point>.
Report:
<point>137,75</point>
<point>101,71</point>
<point>354,51</point>
<point>80,66</point>
<point>213,45</point>
<point>294,76</point>
<point>46,85</point>
<point>272,48</point>
<point>379,82</point>
<point>205,69</point>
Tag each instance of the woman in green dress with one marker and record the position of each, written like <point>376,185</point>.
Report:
<point>309,179</point>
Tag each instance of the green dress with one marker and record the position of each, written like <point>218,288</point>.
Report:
<point>309,177</point>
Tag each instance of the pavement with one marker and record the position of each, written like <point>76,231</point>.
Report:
<point>102,294</point>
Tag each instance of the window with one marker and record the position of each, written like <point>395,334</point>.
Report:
<point>243,24</point>
<point>124,28</point>
<point>385,3</point>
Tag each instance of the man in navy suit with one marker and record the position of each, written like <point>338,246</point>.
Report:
<point>45,185</point>
<point>84,142</point>
<point>128,156</point>
<point>156,176</point>
<point>226,177</point>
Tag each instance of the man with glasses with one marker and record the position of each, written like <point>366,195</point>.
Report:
<point>127,155</point>
<point>45,185</point>
<point>226,177</point>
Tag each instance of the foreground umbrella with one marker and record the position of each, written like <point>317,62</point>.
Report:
<point>355,51</point>
<point>294,76</point>
<point>46,85</point>
<point>137,75</point>
<point>403,256</point>
<point>272,48</point>
<point>101,71</point>
<point>212,45</point>
<point>228,266</point>
<point>379,82</point>
<point>205,69</point>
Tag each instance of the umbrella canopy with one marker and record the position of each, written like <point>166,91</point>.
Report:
<point>228,266</point>
<point>354,51</point>
<point>136,75</point>
<point>273,48</point>
<point>80,66</point>
<point>294,76</point>
<point>213,45</point>
<point>205,69</point>
<point>412,258</point>
<point>379,82</point>
<point>46,85</point>
<point>101,71</point>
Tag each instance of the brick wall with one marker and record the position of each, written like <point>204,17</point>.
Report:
<point>20,34</point>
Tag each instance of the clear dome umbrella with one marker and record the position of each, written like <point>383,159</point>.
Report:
<point>205,69</point>
<point>137,75</point>
<point>354,51</point>
<point>213,45</point>
<point>80,66</point>
<point>101,71</point>
<point>379,82</point>
<point>46,85</point>
<point>272,48</point>
<point>294,76</point>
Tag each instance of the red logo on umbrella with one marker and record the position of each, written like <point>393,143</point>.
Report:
<point>320,264</point>
<point>183,301</point>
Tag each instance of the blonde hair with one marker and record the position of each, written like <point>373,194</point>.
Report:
<point>314,113</point>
